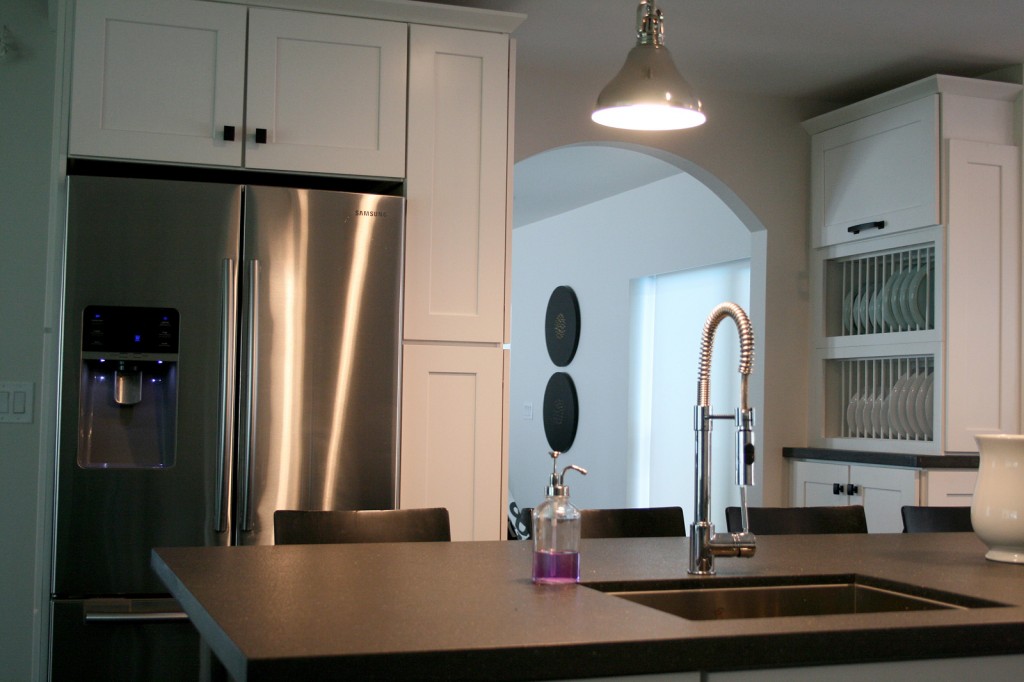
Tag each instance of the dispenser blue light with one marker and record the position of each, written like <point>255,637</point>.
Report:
<point>128,388</point>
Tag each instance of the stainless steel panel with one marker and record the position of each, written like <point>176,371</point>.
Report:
<point>327,329</point>
<point>134,242</point>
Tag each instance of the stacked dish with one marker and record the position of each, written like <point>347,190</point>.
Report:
<point>905,411</point>
<point>904,302</point>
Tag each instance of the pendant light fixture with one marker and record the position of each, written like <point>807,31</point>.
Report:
<point>648,93</point>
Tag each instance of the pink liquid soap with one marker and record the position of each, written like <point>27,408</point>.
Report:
<point>556,567</point>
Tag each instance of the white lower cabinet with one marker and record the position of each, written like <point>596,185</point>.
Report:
<point>452,439</point>
<point>881,490</point>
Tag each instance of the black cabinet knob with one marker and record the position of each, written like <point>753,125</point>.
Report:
<point>853,489</point>
<point>838,489</point>
<point>261,136</point>
<point>229,133</point>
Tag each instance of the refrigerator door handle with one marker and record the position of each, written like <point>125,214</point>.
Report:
<point>226,398</point>
<point>248,436</point>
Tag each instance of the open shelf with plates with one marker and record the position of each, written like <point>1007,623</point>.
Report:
<point>891,398</point>
<point>883,292</point>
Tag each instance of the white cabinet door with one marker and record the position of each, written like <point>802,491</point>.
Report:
<point>948,487</point>
<point>452,406</point>
<point>881,169</point>
<point>882,491</point>
<point>158,81</point>
<point>328,92</point>
<point>456,185</point>
<point>813,484</point>
<point>982,366</point>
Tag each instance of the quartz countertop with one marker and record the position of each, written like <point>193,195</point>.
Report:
<point>467,610</point>
<point>895,459</point>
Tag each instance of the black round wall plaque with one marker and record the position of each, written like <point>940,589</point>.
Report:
<point>562,325</point>
<point>561,411</point>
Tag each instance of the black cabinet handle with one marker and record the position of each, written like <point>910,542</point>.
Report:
<point>838,489</point>
<point>873,225</point>
<point>229,133</point>
<point>261,136</point>
<point>853,489</point>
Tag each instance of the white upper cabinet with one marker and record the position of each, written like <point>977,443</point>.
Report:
<point>456,185</point>
<point>167,82</point>
<point>329,91</point>
<point>916,319</point>
<point>158,81</point>
<point>877,174</point>
<point>876,166</point>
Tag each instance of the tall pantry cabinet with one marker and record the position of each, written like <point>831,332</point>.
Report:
<point>358,89</point>
<point>915,279</point>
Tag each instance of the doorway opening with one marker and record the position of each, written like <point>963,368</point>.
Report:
<point>613,221</point>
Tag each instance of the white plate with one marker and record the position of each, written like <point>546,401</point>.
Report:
<point>896,284</point>
<point>917,292</point>
<point>848,312</point>
<point>908,316</point>
<point>884,417</point>
<point>916,429</point>
<point>877,427</point>
<point>921,407</point>
<point>906,402</point>
<point>929,413</point>
<point>851,414</point>
<point>886,292</point>
<point>856,313</point>
<point>895,417</point>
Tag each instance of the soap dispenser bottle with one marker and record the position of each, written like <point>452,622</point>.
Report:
<point>556,531</point>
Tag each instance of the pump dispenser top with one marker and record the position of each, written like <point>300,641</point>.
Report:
<point>556,530</point>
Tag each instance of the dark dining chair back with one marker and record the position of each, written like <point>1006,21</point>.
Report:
<point>646,522</point>
<point>650,522</point>
<point>799,520</point>
<point>296,527</point>
<point>936,519</point>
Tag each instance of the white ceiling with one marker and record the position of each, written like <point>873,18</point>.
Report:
<point>833,50</point>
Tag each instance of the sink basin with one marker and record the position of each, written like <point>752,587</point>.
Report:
<point>724,598</point>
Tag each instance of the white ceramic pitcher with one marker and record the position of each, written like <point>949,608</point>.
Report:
<point>997,510</point>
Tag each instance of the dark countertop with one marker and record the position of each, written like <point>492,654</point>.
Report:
<point>467,610</point>
<point>894,459</point>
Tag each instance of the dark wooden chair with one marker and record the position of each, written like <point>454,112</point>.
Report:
<point>799,520</point>
<point>936,519</point>
<point>294,527</point>
<point>646,522</point>
<point>649,522</point>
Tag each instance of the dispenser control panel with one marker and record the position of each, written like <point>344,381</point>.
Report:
<point>129,331</point>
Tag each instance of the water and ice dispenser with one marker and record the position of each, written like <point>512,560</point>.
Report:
<point>129,387</point>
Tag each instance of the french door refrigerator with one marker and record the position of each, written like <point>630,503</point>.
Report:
<point>228,350</point>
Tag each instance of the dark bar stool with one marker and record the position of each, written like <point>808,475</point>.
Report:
<point>644,522</point>
<point>799,520</point>
<point>296,527</point>
<point>936,519</point>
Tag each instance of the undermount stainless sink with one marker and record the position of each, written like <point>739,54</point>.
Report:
<point>724,598</point>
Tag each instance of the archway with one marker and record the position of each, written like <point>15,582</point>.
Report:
<point>599,218</point>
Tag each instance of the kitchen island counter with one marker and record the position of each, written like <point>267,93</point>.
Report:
<point>467,610</point>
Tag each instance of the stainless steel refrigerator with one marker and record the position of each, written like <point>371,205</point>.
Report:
<point>228,350</point>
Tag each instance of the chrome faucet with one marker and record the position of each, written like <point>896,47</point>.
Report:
<point>705,544</point>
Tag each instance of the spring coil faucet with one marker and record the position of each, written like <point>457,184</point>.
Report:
<point>705,544</point>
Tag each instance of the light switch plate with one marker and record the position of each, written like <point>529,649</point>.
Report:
<point>16,402</point>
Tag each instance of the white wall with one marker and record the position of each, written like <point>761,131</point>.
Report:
<point>674,224</point>
<point>26,103</point>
